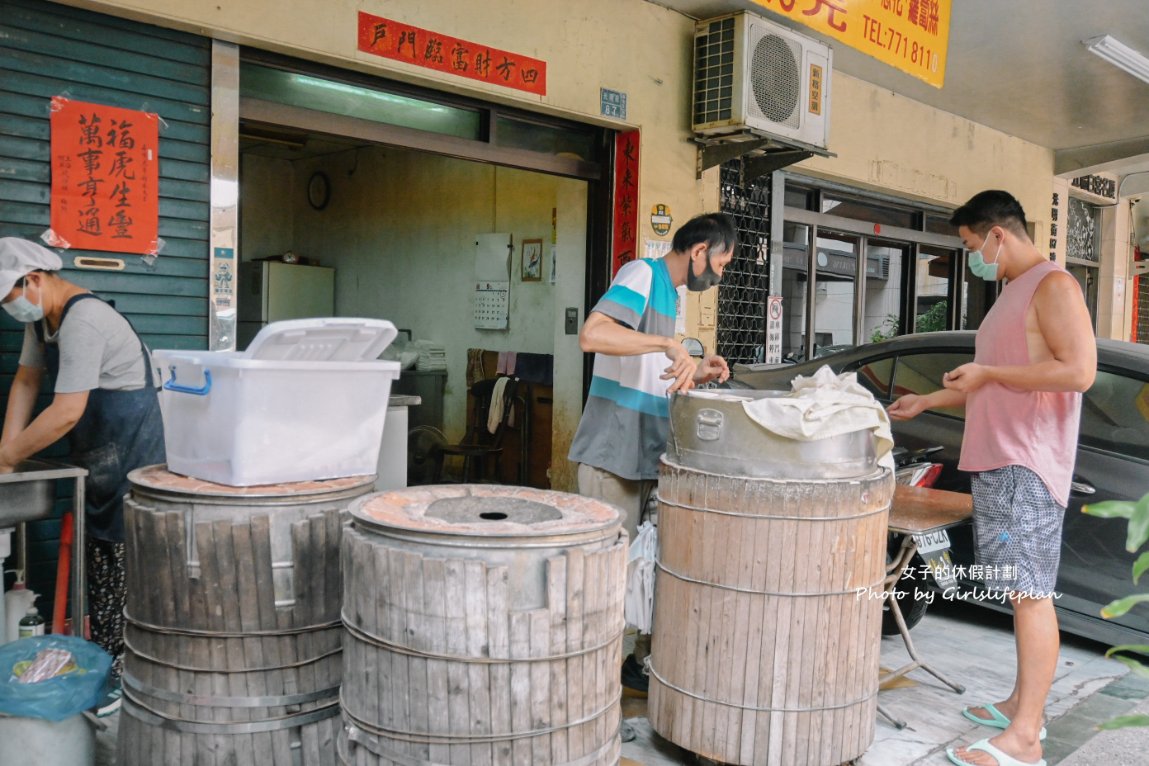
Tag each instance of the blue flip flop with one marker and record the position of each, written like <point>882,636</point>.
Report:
<point>996,720</point>
<point>1003,758</point>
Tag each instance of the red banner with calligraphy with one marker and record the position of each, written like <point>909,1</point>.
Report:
<point>443,53</point>
<point>625,247</point>
<point>105,178</point>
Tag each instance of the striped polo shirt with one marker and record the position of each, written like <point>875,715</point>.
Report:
<point>625,422</point>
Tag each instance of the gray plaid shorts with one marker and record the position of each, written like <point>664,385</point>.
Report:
<point>1017,531</point>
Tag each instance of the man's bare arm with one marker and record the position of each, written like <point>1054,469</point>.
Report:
<point>603,335</point>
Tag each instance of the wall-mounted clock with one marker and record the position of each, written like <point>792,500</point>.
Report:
<point>318,190</point>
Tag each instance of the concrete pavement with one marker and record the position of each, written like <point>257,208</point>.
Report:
<point>973,646</point>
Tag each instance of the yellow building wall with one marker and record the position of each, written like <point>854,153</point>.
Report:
<point>882,141</point>
<point>898,146</point>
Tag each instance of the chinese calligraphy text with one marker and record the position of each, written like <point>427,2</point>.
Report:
<point>443,53</point>
<point>105,177</point>
<point>625,240</point>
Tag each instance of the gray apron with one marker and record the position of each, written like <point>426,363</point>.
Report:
<point>118,432</point>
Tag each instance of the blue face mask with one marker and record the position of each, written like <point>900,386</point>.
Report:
<point>977,264</point>
<point>23,310</point>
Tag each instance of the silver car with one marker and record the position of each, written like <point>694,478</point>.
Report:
<point>1112,459</point>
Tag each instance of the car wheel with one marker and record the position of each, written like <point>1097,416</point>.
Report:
<point>913,609</point>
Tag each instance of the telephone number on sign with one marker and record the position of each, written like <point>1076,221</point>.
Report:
<point>897,43</point>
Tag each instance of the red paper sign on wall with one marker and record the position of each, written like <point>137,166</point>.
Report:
<point>625,246</point>
<point>105,178</point>
<point>443,53</point>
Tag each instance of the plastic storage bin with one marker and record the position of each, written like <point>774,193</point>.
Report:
<point>306,401</point>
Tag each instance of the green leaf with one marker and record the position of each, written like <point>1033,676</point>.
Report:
<point>1135,667</point>
<point>1125,721</point>
<point>1122,605</point>
<point>1110,509</point>
<point>1135,648</point>
<point>1140,566</point>
<point>1138,525</point>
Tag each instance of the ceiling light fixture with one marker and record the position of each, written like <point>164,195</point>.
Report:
<point>1119,55</point>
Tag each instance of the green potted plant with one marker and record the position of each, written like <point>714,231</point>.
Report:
<point>1137,514</point>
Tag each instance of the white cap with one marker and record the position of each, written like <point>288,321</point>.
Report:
<point>19,257</point>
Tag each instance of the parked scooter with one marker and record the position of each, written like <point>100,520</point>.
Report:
<point>914,468</point>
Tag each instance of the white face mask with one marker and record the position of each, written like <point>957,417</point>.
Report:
<point>23,310</point>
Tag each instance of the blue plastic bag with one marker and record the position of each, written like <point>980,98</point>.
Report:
<point>78,687</point>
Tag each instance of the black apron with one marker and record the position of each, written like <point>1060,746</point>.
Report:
<point>118,432</point>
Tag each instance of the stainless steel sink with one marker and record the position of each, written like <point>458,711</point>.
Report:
<point>29,492</point>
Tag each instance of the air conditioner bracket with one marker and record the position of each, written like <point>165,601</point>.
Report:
<point>760,155</point>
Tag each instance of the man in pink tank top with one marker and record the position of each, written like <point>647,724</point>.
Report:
<point>1035,355</point>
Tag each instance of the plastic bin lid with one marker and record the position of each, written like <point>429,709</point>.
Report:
<point>322,340</point>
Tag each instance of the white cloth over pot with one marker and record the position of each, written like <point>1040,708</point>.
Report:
<point>638,606</point>
<point>824,405</point>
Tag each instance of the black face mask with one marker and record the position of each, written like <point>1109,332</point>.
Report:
<point>704,281</point>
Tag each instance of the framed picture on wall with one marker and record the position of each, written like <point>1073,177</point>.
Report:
<point>532,260</point>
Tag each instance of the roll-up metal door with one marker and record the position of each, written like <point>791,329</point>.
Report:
<point>51,50</point>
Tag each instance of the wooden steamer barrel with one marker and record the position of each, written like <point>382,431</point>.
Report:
<point>767,606</point>
<point>233,635</point>
<point>483,626</point>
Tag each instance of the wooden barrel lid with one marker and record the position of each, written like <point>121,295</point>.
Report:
<point>484,510</point>
<point>159,479</point>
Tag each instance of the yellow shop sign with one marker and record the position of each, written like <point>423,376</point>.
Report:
<point>910,35</point>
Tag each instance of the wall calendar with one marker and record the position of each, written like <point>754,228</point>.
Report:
<point>492,305</point>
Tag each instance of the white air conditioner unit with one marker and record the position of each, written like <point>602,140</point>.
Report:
<point>752,74</point>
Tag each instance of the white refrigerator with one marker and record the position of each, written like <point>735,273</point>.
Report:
<point>270,291</point>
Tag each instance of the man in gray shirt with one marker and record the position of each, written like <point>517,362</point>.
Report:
<point>104,402</point>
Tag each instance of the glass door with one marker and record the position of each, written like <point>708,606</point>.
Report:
<point>835,291</point>
<point>934,288</point>
<point>882,300</point>
<point>795,267</point>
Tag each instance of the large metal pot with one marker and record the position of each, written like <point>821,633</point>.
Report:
<point>710,431</point>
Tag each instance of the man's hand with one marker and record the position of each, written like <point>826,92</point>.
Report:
<point>681,369</point>
<point>906,407</point>
<point>710,368</point>
<point>966,378</point>
<point>7,465</point>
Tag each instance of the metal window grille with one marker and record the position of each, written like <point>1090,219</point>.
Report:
<point>743,291</point>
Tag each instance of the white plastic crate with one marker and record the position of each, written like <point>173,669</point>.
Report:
<point>295,406</point>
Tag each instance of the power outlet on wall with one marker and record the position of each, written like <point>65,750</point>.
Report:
<point>572,321</point>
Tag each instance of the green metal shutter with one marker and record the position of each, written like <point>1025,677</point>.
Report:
<point>48,50</point>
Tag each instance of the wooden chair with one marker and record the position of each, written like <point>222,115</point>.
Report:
<point>479,448</point>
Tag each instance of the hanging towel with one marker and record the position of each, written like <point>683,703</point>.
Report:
<point>495,411</point>
<point>824,405</point>
<point>475,371</point>
<point>638,602</point>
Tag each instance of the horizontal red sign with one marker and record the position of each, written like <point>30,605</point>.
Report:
<point>443,53</point>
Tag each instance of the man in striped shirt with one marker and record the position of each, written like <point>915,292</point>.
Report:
<point>637,363</point>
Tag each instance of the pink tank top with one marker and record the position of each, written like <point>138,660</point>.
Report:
<point>1006,426</point>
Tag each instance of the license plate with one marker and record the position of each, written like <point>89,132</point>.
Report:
<point>929,542</point>
<point>942,569</point>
